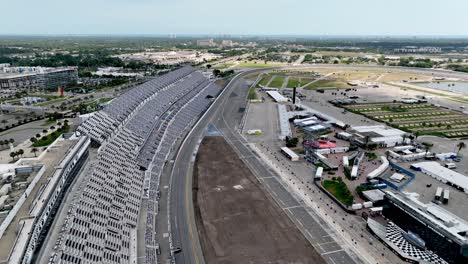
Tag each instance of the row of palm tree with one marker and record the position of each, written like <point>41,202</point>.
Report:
<point>427,146</point>
<point>20,153</point>
<point>14,154</point>
<point>6,141</point>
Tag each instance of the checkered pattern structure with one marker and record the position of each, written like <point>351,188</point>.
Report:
<point>395,236</point>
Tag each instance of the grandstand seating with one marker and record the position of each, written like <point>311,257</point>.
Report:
<point>137,132</point>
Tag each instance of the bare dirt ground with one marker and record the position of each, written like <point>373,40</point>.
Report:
<point>238,222</point>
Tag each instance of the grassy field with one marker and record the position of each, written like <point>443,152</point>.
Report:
<point>223,66</point>
<point>255,65</point>
<point>264,81</point>
<point>252,95</point>
<point>324,84</point>
<point>297,82</point>
<point>304,81</point>
<point>277,82</point>
<point>339,190</point>
<point>293,82</point>
<point>252,77</point>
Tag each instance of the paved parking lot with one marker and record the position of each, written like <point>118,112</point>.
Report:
<point>263,116</point>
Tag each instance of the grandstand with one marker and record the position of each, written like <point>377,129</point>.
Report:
<point>136,133</point>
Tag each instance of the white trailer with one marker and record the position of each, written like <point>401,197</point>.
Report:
<point>354,172</point>
<point>438,193</point>
<point>450,165</point>
<point>290,154</point>
<point>297,121</point>
<point>446,195</point>
<point>318,173</point>
<point>345,161</point>
<point>402,148</point>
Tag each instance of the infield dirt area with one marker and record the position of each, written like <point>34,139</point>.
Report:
<point>238,222</point>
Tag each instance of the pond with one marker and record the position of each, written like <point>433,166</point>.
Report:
<point>449,86</point>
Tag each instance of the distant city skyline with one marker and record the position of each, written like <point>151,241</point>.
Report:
<point>242,17</point>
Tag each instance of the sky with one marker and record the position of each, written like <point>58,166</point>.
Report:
<point>244,17</point>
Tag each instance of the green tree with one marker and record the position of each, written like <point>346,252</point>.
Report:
<point>216,72</point>
<point>427,146</point>
<point>20,152</point>
<point>461,145</point>
<point>34,150</point>
<point>291,142</point>
<point>13,155</point>
<point>381,60</point>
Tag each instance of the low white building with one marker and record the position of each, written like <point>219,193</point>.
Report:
<point>344,135</point>
<point>297,121</point>
<point>277,96</point>
<point>439,172</point>
<point>307,123</point>
<point>379,134</point>
<point>397,177</point>
<point>290,154</point>
<point>374,196</point>
<point>377,172</point>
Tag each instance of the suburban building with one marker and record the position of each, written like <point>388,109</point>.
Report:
<point>205,43</point>
<point>415,49</point>
<point>227,43</point>
<point>36,78</point>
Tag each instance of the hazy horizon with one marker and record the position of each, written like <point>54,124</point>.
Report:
<point>428,18</point>
<point>239,35</point>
